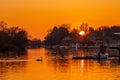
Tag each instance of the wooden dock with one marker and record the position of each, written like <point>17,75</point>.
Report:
<point>91,57</point>
<point>86,57</point>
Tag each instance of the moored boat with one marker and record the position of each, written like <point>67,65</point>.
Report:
<point>101,56</point>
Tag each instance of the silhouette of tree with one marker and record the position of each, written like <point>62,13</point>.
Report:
<point>56,35</point>
<point>18,37</point>
<point>4,40</point>
<point>106,33</point>
<point>84,27</point>
<point>3,26</point>
<point>13,38</point>
<point>74,34</point>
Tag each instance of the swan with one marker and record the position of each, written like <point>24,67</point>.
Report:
<point>39,59</point>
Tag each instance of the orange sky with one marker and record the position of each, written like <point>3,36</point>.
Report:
<point>38,16</point>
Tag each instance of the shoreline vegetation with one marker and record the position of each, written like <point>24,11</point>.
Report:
<point>13,38</point>
<point>60,37</point>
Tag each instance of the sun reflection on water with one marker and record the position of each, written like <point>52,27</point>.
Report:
<point>57,65</point>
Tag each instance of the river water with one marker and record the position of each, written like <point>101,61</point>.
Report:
<point>57,65</point>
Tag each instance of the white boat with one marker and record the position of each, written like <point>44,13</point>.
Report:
<point>101,56</point>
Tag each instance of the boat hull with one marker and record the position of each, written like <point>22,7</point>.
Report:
<point>90,57</point>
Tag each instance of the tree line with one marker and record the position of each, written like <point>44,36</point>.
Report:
<point>62,34</point>
<point>13,38</point>
<point>106,33</point>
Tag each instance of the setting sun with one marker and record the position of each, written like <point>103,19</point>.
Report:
<point>82,33</point>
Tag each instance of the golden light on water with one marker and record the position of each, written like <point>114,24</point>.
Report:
<point>57,67</point>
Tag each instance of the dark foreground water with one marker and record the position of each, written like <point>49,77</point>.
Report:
<point>57,65</point>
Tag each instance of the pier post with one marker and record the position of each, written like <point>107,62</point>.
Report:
<point>119,51</point>
<point>119,55</point>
